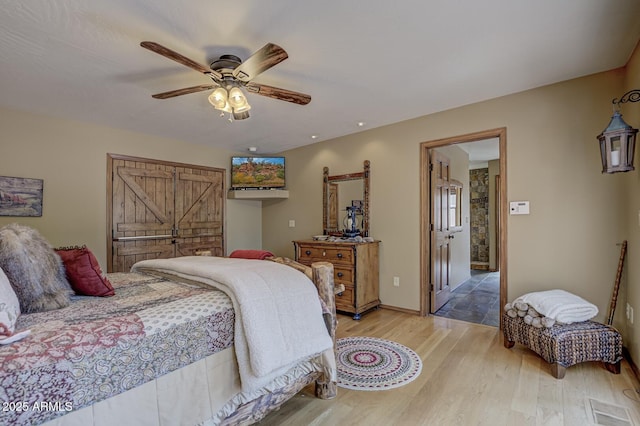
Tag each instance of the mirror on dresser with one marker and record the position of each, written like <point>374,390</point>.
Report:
<point>345,203</point>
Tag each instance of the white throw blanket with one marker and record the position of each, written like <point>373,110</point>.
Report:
<point>278,314</point>
<point>560,305</point>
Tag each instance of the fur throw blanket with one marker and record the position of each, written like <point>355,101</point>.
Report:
<point>35,271</point>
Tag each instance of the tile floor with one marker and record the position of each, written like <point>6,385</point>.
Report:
<point>476,300</point>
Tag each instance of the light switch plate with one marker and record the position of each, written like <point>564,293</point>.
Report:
<point>519,207</point>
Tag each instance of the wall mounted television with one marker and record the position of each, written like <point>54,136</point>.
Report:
<point>257,172</point>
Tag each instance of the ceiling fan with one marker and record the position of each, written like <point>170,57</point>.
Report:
<point>228,74</point>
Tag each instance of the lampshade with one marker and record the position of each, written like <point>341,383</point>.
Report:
<point>237,99</point>
<point>218,98</point>
<point>617,145</point>
<point>243,108</point>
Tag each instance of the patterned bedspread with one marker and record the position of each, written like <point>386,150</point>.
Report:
<point>100,347</point>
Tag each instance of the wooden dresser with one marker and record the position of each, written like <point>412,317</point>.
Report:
<point>355,265</point>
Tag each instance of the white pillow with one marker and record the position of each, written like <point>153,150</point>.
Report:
<point>9,307</point>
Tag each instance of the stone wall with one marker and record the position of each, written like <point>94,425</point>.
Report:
<point>479,211</point>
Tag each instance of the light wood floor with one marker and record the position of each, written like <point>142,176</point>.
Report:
<point>468,378</point>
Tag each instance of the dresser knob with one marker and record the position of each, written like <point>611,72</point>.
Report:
<point>339,274</point>
<point>339,255</point>
<point>339,294</point>
<point>308,252</point>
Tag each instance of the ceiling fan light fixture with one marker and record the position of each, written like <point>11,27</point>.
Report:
<point>218,98</point>
<point>240,115</point>
<point>237,99</point>
<point>226,108</point>
<point>243,108</point>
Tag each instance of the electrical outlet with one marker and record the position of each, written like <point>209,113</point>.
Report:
<point>292,223</point>
<point>630,314</point>
<point>396,281</point>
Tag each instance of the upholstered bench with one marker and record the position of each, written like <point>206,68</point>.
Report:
<point>564,345</point>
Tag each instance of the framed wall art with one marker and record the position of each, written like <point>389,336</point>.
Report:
<point>20,196</point>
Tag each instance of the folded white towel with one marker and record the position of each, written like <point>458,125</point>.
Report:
<point>560,305</point>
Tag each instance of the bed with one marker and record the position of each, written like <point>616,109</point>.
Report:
<point>186,341</point>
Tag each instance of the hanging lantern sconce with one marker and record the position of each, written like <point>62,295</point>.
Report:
<point>618,140</point>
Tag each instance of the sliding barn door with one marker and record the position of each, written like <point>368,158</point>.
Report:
<point>199,211</point>
<point>161,210</point>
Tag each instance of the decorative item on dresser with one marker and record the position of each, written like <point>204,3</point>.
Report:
<point>355,265</point>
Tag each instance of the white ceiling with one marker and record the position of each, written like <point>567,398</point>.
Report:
<point>373,61</point>
<point>481,152</point>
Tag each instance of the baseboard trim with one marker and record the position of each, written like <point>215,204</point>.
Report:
<point>480,266</point>
<point>395,308</point>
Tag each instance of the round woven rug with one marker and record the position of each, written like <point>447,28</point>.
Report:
<point>372,364</point>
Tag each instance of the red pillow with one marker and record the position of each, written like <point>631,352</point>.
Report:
<point>83,272</point>
<point>251,254</point>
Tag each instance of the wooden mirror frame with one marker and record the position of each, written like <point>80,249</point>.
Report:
<point>328,180</point>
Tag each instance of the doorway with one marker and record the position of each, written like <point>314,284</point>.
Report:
<point>429,265</point>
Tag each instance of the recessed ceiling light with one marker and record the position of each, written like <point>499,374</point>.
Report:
<point>252,149</point>
<point>314,136</point>
<point>361,123</point>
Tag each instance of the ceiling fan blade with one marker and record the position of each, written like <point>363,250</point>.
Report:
<point>277,93</point>
<point>185,91</point>
<point>168,53</point>
<point>270,55</point>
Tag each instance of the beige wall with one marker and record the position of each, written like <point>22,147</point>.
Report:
<point>631,283</point>
<point>71,158</point>
<point>569,239</point>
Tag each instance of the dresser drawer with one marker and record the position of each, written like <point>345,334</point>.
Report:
<point>343,275</point>
<point>327,254</point>
<point>345,300</point>
<point>355,268</point>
